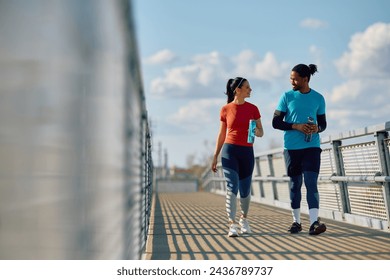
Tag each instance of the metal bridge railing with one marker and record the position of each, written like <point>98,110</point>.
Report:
<point>75,151</point>
<point>354,181</point>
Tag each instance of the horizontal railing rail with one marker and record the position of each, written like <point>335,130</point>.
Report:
<point>360,179</point>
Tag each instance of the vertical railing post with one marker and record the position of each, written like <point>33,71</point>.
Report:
<point>384,161</point>
<point>346,207</point>
<point>258,173</point>
<point>272,174</point>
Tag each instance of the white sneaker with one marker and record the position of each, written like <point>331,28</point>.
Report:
<point>233,230</point>
<point>245,228</point>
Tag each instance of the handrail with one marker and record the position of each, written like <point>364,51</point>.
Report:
<point>358,178</point>
<point>369,130</point>
<point>333,178</point>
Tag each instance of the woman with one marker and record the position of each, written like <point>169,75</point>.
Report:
<point>237,155</point>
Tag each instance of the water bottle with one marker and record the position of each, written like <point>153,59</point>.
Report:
<point>251,131</point>
<point>308,137</point>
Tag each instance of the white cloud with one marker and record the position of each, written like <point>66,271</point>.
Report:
<point>196,114</point>
<point>347,91</point>
<point>313,23</point>
<point>211,66</point>
<point>266,69</point>
<point>205,74</point>
<point>345,119</point>
<point>177,81</point>
<point>200,78</point>
<point>368,54</point>
<point>366,93</point>
<point>364,97</point>
<point>161,57</point>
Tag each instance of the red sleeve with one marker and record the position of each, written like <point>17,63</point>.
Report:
<point>257,113</point>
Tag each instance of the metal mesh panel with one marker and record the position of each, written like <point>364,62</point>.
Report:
<point>147,186</point>
<point>327,162</point>
<point>330,197</point>
<point>360,159</point>
<point>279,165</point>
<point>363,159</point>
<point>264,166</point>
<point>367,201</point>
<point>329,192</point>
<point>283,190</point>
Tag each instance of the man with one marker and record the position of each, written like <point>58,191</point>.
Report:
<point>302,150</point>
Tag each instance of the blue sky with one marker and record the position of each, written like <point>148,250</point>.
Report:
<point>189,49</point>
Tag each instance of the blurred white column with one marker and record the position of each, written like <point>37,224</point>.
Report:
<point>63,86</point>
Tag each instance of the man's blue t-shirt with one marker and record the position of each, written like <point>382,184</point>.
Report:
<point>298,107</point>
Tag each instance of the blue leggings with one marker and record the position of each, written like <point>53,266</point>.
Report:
<point>238,163</point>
<point>303,165</point>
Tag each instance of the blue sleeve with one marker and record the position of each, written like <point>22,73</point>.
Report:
<point>282,105</point>
<point>322,107</point>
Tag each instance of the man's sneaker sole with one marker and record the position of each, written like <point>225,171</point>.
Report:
<point>318,230</point>
<point>233,234</point>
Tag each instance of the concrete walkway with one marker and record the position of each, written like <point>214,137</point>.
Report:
<point>193,226</point>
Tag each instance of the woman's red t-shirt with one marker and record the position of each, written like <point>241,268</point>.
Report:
<point>237,120</point>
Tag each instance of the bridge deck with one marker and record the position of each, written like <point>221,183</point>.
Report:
<point>193,226</point>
